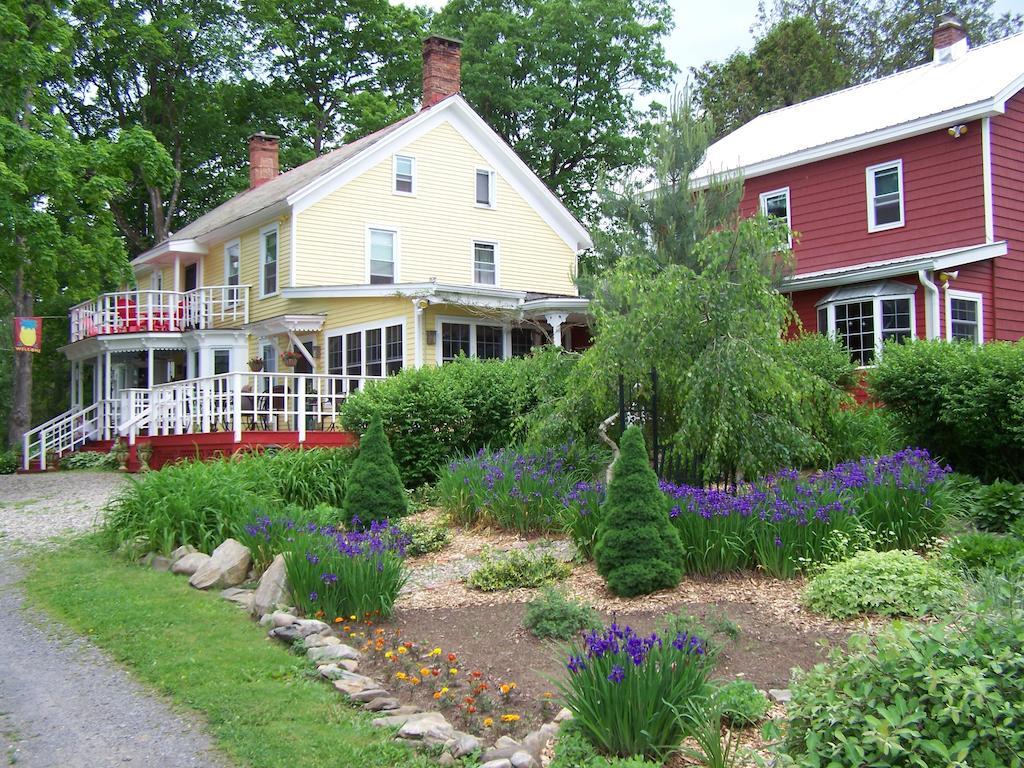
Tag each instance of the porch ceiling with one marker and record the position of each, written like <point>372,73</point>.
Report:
<point>274,326</point>
<point>122,342</point>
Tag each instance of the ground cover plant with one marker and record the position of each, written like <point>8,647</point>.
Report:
<point>89,460</point>
<point>204,502</point>
<point>553,615</point>
<point>374,489</point>
<point>276,713</point>
<point>998,506</point>
<point>637,550</point>
<point>626,691</point>
<point>423,538</point>
<point>520,491</point>
<point>975,552</point>
<point>517,569</point>
<point>740,703</point>
<point>932,696</point>
<point>335,573</point>
<point>893,583</point>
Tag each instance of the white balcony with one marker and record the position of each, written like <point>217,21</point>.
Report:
<point>147,311</point>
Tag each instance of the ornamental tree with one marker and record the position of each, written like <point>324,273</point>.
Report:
<point>638,550</point>
<point>374,490</point>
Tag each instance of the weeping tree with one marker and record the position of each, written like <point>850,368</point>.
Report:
<point>694,290</point>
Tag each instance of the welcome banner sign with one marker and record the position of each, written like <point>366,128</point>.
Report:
<point>28,334</point>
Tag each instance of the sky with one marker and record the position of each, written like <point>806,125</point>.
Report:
<point>700,35</point>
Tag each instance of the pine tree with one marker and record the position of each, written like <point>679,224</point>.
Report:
<point>638,550</point>
<point>374,490</point>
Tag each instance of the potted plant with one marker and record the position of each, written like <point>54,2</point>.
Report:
<point>256,364</point>
<point>144,452</point>
<point>120,452</point>
<point>290,358</point>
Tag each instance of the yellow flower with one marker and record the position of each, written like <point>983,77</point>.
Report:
<point>401,676</point>
<point>548,694</point>
<point>509,718</point>
<point>415,681</point>
<point>488,722</point>
<point>402,649</point>
<point>389,655</point>
<point>505,688</point>
<point>425,671</point>
<point>351,618</point>
<point>453,671</point>
<point>436,652</point>
<point>444,689</point>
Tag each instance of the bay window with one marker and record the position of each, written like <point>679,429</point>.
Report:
<point>864,317</point>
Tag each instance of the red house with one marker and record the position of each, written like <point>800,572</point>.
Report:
<point>906,195</point>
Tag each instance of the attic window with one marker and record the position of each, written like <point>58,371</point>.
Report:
<point>885,196</point>
<point>485,188</point>
<point>405,169</point>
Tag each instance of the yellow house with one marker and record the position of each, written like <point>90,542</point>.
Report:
<point>426,240</point>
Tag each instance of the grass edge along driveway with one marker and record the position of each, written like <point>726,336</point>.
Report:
<point>262,705</point>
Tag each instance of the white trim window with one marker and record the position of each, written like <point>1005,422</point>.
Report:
<point>865,317</point>
<point>464,337</point>
<point>775,204</point>
<point>268,351</point>
<point>156,281</point>
<point>269,241</point>
<point>232,267</point>
<point>371,349</point>
<point>404,175</point>
<point>964,316</point>
<point>485,262</point>
<point>484,182</point>
<point>381,255</point>
<point>885,196</point>
<point>221,361</point>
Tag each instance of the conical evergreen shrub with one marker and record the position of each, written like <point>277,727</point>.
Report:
<point>638,549</point>
<point>374,490</point>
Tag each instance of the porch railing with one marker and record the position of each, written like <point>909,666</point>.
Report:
<point>68,431</point>
<point>142,311</point>
<point>238,402</point>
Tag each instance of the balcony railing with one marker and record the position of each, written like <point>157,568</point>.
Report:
<point>143,311</point>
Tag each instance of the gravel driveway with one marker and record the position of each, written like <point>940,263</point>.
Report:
<point>63,702</point>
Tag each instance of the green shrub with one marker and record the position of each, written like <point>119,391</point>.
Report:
<point>716,629</point>
<point>894,583</point>
<point>822,356</point>
<point>89,460</point>
<point>552,614</point>
<point>424,538</point>
<point>861,430</point>
<point>374,490</point>
<point>741,703</point>
<point>998,506</point>
<point>627,692</point>
<point>932,696</point>
<point>434,413</point>
<point>10,462</point>
<point>963,495</point>
<point>517,569</point>
<point>975,552</point>
<point>947,396</point>
<point>574,750</point>
<point>638,550</point>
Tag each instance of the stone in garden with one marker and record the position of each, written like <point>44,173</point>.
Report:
<point>535,741</point>
<point>227,567</point>
<point>523,759</point>
<point>780,695</point>
<point>272,589</point>
<point>190,563</point>
<point>160,563</point>
<point>563,714</point>
<point>319,641</point>
<point>285,634</point>
<point>313,627</point>
<point>399,717</point>
<point>506,741</point>
<point>382,704</point>
<point>417,726</point>
<point>368,694</point>
<point>465,743</point>
<point>182,551</point>
<point>351,683</point>
<point>446,759</point>
<point>266,620</point>
<point>500,753</point>
<point>499,763</point>
<point>331,653</point>
<point>283,619</point>
<point>242,597</point>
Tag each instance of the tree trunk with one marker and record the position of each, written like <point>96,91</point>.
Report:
<point>20,419</point>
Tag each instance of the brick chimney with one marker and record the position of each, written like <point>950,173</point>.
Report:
<point>949,38</point>
<point>263,162</point>
<point>442,64</point>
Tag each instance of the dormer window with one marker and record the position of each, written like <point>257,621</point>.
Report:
<point>405,175</point>
<point>484,188</point>
<point>776,205</point>
<point>885,196</point>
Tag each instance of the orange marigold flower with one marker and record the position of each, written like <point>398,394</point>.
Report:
<point>471,709</point>
<point>338,619</point>
<point>415,681</point>
<point>424,671</point>
<point>437,694</point>
<point>476,673</point>
<point>505,688</point>
<point>469,700</point>
<point>407,644</point>
<point>548,694</point>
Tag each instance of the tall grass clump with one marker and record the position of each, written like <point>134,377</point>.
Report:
<point>309,477</point>
<point>625,690</point>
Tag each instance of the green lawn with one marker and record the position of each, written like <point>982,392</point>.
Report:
<point>261,704</point>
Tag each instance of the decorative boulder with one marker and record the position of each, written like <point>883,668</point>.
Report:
<point>190,563</point>
<point>180,552</point>
<point>227,567</point>
<point>272,589</point>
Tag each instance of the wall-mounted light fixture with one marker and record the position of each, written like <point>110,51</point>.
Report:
<point>431,338</point>
<point>957,131</point>
<point>946,277</point>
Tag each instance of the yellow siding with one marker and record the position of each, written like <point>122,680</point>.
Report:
<point>436,227</point>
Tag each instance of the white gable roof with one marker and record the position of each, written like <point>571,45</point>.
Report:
<point>905,104</point>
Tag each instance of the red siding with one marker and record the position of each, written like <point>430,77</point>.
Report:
<point>804,303</point>
<point>943,201</point>
<point>1008,204</point>
<point>977,278</point>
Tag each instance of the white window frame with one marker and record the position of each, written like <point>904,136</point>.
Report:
<point>213,359</point>
<point>382,326</point>
<point>869,175</point>
<point>269,360</point>
<point>492,187</point>
<point>237,243</point>
<point>493,242</point>
<point>506,334</point>
<point>156,280</point>
<point>394,175</point>
<point>396,250</point>
<point>952,293</point>
<point>781,192</point>
<point>263,258</point>
<point>876,309</point>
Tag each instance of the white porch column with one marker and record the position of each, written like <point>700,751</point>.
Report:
<point>74,385</point>
<point>97,380</point>
<point>80,386</point>
<point>417,326</point>
<point>106,395</point>
<point>555,320</point>
<point>177,273</point>
<point>149,368</point>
